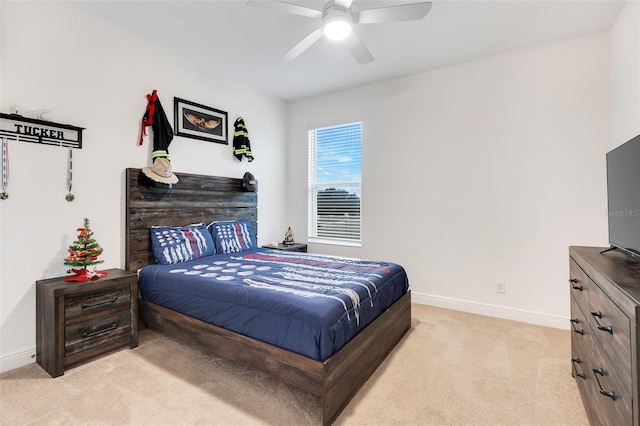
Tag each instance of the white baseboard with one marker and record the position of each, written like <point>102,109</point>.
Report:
<point>529,317</point>
<point>17,359</point>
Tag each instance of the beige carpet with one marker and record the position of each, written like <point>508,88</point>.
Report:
<point>452,368</point>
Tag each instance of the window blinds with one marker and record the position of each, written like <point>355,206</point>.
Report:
<point>335,173</point>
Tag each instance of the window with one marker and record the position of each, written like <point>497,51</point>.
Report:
<point>335,170</point>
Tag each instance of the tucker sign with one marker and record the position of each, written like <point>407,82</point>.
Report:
<point>19,128</point>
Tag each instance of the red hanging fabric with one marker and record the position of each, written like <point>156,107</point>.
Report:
<point>147,119</point>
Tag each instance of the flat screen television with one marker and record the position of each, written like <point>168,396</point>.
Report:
<point>623,195</point>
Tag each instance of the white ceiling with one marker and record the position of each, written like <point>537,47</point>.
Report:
<point>247,43</point>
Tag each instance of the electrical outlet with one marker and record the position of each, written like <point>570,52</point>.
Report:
<point>501,287</point>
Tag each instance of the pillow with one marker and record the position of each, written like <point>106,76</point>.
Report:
<point>180,244</point>
<point>233,236</point>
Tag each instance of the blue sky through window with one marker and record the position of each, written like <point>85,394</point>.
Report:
<point>339,153</point>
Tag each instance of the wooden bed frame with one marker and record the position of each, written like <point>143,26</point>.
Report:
<point>199,198</point>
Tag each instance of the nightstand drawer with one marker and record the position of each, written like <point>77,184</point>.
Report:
<point>89,334</point>
<point>81,305</point>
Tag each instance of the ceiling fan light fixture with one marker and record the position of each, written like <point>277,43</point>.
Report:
<point>337,25</point>
<point>338,20</point>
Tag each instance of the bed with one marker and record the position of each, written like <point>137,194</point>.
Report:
<point>333,374</point>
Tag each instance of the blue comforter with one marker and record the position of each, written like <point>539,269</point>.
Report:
<point>306,303</point>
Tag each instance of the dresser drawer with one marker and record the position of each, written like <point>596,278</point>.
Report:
<point>99,331</point>
<point>579,323</point>
<point>579,285</point>
<point>84,304</point>
<point>611,396</point>
<point>612,329</point>
<point>594,370</point>
<point>579,341</point>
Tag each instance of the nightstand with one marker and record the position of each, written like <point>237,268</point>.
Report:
<point>77,321</point>
<point>287,247</point>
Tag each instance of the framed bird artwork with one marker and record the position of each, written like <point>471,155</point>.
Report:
<point>198,121</point>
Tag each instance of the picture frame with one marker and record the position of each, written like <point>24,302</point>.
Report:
<point>198,121</point>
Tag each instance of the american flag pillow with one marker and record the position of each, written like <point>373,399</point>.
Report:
<point>180,244</point>
<point>232,236</point>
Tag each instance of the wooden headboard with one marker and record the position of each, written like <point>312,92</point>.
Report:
<point>195,198</point>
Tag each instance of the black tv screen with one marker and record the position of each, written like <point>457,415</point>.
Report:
<point>623,194</point>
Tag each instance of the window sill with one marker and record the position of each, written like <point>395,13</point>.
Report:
<point>334,242</point>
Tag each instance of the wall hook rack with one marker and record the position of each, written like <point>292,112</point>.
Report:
<point>18,128</point>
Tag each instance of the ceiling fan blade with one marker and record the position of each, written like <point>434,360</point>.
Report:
<point>290,8</point>
<point>344,3</point>
<point>358,49</point>
<point>402,12</point>
<point>303,45</point>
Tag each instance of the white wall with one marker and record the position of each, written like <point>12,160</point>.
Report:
<point>625,74</point>
<point>96,76</point>
<point>476,173</point>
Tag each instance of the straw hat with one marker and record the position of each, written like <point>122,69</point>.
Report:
<point>160,171</point>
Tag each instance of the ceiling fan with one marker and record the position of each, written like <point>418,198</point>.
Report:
<point>338,20</point>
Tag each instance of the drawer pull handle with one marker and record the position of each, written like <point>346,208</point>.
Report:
<point>104,330</point>
<point>575,361</point>
<point>610,394</point>
<point>574,285</point>
<point>575,330</point>
<point>598,314</point>
<point>93,305</point>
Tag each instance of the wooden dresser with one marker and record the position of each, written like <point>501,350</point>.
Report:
<point>605,311</point>
<point>77,321</point>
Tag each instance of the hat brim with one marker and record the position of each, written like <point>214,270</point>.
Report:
<point>157,178</point>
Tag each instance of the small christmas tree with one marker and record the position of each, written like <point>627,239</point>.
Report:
<point>84,252</point>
